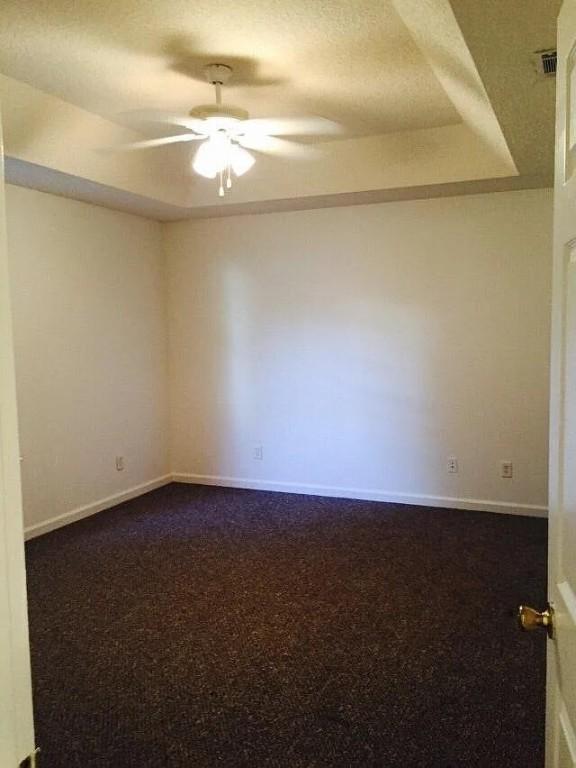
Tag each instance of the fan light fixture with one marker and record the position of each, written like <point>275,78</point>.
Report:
<point>218,156</point>
<point>226,132</point>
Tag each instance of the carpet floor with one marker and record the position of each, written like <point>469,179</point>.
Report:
<point>198,627</point>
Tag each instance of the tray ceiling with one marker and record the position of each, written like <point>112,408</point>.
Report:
<point>431,95</point>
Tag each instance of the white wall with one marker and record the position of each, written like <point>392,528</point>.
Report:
<point>359,346</point>
<point>363,346</point>
<point>90,330</point>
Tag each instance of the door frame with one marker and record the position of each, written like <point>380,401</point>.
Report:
<point>16,716</point>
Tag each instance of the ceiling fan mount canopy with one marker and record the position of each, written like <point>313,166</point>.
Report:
<point>218,74</point>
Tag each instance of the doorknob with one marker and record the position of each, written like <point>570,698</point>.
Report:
<point>530,619</point>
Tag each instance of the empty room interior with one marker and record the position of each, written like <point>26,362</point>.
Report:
<point>281,282</point>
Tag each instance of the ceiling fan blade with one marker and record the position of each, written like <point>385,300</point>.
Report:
<point>289,126</point>
<point>195,124</point>
<point>272,145</point>
<point>161,142</point>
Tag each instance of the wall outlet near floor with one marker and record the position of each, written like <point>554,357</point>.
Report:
<point>452,465</point>
<point>506,470</point>
<point>258,453</point>
<point>119,463</point>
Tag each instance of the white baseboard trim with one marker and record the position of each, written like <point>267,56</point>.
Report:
<point>480,505</point>
<point>97,506</point>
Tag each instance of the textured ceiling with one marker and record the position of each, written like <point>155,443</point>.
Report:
<point>432,95</point>
<point>501,36</point>
<point>354,62</point>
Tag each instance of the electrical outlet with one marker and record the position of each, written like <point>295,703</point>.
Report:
<point>119,463</point>
<point>506,470</point>
<point>258,453</point>
<point>453,465</point>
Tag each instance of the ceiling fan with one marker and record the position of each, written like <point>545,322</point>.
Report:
<point>227,133</point>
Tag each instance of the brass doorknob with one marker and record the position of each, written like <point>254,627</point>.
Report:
<point>530,619</point>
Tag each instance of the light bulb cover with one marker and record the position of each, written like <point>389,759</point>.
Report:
<point>240,160</point>
<point>212,156</point>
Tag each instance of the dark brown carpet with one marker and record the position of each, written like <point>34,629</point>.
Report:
<point>202,627</point>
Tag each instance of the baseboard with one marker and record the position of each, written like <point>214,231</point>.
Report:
<point>481,505</point>
<point>447,502</point>
<point>97,506</point>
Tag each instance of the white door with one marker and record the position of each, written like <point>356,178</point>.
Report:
<point>561,688</point>
<point>16,725</point>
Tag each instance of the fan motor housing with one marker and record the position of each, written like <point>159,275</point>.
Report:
<point>221,111</point>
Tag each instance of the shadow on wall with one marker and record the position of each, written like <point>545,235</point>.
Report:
<point>336,391</point>
<point>363,347</point>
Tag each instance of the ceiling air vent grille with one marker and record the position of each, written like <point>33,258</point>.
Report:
<point>546,62</point>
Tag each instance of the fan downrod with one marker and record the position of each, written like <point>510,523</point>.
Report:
<point>218,75</point>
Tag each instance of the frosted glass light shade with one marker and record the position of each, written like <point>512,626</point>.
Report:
<point>240,160</point>
<point>218,154</point>
<point>212,156</point>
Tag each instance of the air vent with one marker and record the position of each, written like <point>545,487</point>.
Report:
<point>545,62</point>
